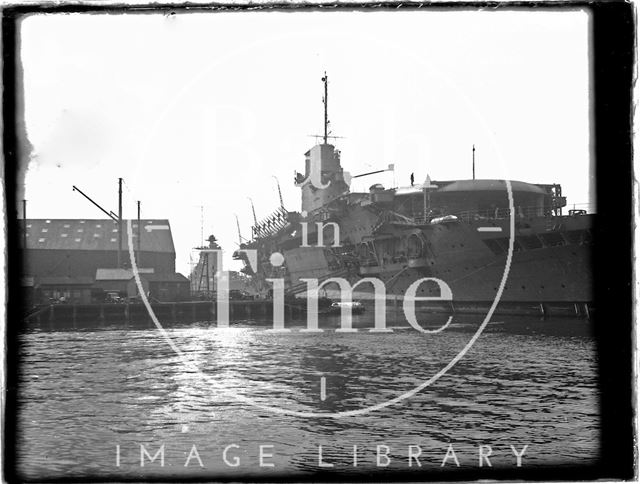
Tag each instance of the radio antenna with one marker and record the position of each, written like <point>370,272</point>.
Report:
<point>325,101</point>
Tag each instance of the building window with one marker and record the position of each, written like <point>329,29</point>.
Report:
<point>48,221</point>
<point>78,240</point>
<point>98,226</point>
<point>45,230</point>
<point>80,230</point>
<point>66,226</point>
<point>40,240</point>
<point>63,235</point>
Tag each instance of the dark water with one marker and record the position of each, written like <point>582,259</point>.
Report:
<point>85,392</point>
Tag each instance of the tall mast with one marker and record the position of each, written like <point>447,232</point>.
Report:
<point>473,162</point>
<point>325,101</point>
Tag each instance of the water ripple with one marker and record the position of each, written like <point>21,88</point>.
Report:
<point>81,393</point>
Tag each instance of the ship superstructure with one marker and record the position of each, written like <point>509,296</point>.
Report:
<point>456,230</point>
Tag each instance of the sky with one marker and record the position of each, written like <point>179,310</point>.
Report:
<point>198,112</point>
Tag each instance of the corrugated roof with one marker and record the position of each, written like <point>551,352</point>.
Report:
<point>97,234</point>
<point>119,274</point>
<point>177,277</point>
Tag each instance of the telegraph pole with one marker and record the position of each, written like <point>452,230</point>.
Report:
<point>120,223</point>
<point>139,241</point>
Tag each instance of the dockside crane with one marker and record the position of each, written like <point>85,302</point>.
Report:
<point>115,217</point>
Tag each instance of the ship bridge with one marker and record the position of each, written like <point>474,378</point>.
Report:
<point>323,159</point>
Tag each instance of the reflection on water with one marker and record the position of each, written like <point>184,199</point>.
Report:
<point>85,392</point>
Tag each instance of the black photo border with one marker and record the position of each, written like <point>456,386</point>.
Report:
<point>612,66</point>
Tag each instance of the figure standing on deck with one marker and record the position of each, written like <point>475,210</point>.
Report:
<point>412,179</point>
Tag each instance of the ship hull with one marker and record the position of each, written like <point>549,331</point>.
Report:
<point>550,264</point>
<point>544,275</point>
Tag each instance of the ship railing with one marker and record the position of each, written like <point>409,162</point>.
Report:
<point>504,213</point>
<point>580,207</point>
<point>501,213</point>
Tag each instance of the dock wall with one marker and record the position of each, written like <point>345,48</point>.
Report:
<point>262,310</point>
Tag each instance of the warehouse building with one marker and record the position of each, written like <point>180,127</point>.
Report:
<point>76,248</point>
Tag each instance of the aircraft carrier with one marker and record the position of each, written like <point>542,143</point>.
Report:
<point>457,231</point>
